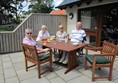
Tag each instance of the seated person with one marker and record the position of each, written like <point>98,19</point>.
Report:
<point>30,41</point>
<point>78,35</point>
<point>43,34</point>
<point>61,35</point>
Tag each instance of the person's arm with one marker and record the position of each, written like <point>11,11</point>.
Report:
<point>40,50</point>
<point>84,36</point>
<point>39,36</point>
<point>84,39</point>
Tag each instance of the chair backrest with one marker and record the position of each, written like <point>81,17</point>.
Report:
<point>30,52</point>
<point>34,37</point>
<point>109,48</point>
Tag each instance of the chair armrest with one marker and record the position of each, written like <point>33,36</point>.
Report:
<point>40,52</point>
<point>44,50</point>
<point>105,54</point>
<point>93,48</point>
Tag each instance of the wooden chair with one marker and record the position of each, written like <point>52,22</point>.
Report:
<point>31,55</point>
<point>104,59</point>
<point>34,37</point>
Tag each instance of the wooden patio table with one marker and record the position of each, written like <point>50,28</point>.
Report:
<point>69,48</point>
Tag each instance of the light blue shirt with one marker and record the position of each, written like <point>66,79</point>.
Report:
<point>77,36</point>
<point>61,35</point>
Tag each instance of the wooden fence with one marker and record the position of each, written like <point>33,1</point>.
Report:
<point>10,41</point>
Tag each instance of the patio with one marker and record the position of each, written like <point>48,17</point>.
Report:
<point>12,70</point>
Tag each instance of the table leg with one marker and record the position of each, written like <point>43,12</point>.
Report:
<point>72,62</point>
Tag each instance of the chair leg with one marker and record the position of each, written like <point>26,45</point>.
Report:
<point>110,73</point>
<point>39,75</point>
<point>93,72</point>
<point>50,65</point>
<point>85,64</point>
<point>26,65</point>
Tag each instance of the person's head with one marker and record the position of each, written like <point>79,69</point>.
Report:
<point>61,28</point>
<point>43,28</point>
<point>28,32</point>
<point>78,25</point>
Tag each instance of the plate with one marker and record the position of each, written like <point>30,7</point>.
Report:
<point>75,44</point>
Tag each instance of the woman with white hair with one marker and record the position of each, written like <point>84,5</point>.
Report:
<point>43,34</point>
<point>30,41</point>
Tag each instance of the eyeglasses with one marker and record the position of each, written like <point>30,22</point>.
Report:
<point>29,33</point>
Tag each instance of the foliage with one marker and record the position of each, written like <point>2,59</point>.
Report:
<point>10,10</point>
<point>40,6</point>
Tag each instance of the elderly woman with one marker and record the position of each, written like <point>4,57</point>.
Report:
<point>61,35</point>
<point>30,41</point>
<point>43,34</point>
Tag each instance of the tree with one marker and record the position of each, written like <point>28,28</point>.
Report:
<point>11,9</point>
<point>40,6</point>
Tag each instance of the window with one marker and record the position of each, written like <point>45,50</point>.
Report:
<point>88,19</point>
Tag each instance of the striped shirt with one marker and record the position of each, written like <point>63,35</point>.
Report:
<point>77,36</point>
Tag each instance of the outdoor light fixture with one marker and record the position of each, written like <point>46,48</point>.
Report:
<point>71,15</point>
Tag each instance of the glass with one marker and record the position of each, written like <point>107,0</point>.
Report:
<point>66,40</point>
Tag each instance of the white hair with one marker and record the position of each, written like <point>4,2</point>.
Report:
<point>28,30</point>
<point>60,26</point>
<point>43,26</point>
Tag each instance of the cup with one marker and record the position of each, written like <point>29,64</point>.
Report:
<point>66,40</point>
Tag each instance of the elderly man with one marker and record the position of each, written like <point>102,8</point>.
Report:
<point>78,35</point>
<point>43,34</point>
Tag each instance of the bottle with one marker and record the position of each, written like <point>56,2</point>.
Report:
<point>66,39</point>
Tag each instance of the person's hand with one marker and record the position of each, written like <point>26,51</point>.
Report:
<point>46,50</point>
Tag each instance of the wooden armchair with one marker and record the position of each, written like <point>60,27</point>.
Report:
<point>31,55</point>
<point>34,37</point>
<point>104,59</point>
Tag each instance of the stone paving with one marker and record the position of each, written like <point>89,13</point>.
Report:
<point>12,70</point>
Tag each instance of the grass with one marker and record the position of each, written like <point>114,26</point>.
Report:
<point>7,28</point>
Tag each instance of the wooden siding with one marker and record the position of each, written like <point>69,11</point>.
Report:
<point>10,40</point>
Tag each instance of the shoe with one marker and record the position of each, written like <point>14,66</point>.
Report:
<point>77,53</point>
<point>56,59</point>
<point>66,60</point>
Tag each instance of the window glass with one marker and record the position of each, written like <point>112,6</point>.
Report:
<point>88,18</point>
